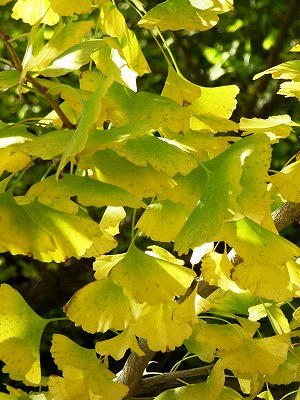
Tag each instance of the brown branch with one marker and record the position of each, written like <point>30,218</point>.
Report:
<point>43,90</point>
<point>273,58</point>
<point>286,215</point>
<point>132,372</point>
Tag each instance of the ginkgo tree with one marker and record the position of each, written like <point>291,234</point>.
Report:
<point>197,179</point>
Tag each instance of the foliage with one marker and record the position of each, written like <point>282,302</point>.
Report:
<point>189,178</point>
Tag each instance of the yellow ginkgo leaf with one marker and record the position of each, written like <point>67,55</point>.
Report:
<point>31,11</point>
<point>42,232</point>
<point>277,126</point>
<point>286,182</point>
<point>212,389</point>
<point>83,370</point>
<point>186,14</point>
<point>69,7</point>
<point>159,328</point>
<point>150,279</point>
<point>164,155</point>
<point>163,220</point>
<point>234,182</point>
<point>102,305</point>
<point>256,356</point>
<point>216,269</point>
<point>13,161</point>
<point>117,346</point>
<point>89,192</point>
<point>104,264</point>
<point>290,89</point>
<point>265,257</point>
<point>289,370</point>
<point>287,70</point>
<point>138,180</point>
<point>20,335</point>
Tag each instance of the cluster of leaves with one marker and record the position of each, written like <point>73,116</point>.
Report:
<point>199,178</point>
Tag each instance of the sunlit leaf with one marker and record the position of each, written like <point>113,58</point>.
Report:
<point>186,14</point>
<point>117,346</point>
<point>9,79</point>
<point>287,70</point>
<point>20,335</point>
<point>278,126</point>
<point>149,279</point>
<point>286,182</point>
<point>102,305</point>
<point>83,374</point>
<point>289,370</point>
<point>69,7</point>
<point>31,11</point>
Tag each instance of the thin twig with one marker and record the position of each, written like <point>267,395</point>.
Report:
<point>44,91</point>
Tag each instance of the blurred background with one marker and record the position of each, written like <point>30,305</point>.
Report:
<point>258,34</point>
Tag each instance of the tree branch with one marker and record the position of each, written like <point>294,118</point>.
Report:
<point>43,90</point>
<point>286,215</point>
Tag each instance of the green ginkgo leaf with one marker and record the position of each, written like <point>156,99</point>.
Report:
<point>42,232</point>
<point>20,335</point>
<point>286,182</point>
<point>186,14</point>
<point>150,279</point>
<point>64,37</point>
<point>83,374</point>
<point>234,183</point>
<point>91,113</point>
<point>102,305</point>
<point>89,192</point>
<point>9,79</point>
<point>117,346</point>
<point>116,170</point>
<point>164,155</point>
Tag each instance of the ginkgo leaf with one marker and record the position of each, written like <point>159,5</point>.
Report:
<point>72,59</point>
<point>111,220</point>
<point>290,89</point>
<point>32,11</point>
<point>214,104</point>
<point>277,126</point>
<point>117,346</point>
<point>162,220</point>
<point>48,146</point>
<point>123,106</point>
<point>289,370</point>
<point>162,154</point>
<point>104,264</point>
<point>91,113</point>
<point>116,170</point>
<point>163,254</point>
<point>287,70</point>
<point>9,79</point>
<point>109,60</point>
<point>261,263</point>
<point>210,123</point>
<point>64,37</point>
<point>102,305</point>
<point>158,327</point>
<point>13,161</point>
<point>20,335</point>
<point>204,146</point>
<point>89,192</point>
<point>149,279</point>
<point>233,185</point>
<point>42,232</point>
<point>211,389</point>
<point>286,182</point>
<point>256,356</point>
<point>216,269</point>
<point>82,371</point>
<point>186,14</point>
<point>112,22</point>
<point>203,350</point>
<point>69,7</point>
